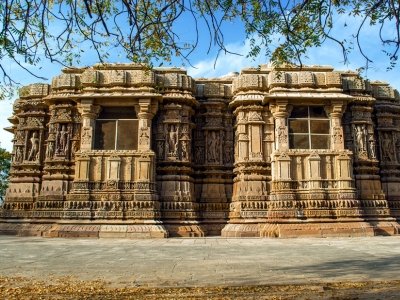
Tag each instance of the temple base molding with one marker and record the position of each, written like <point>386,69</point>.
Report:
<point>323,230</point>
<point>82,230</point>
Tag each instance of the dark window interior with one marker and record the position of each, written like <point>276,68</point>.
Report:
<point>309,128</point>
<point>116,129</point>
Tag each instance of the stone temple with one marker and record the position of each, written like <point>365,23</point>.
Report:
<point>121,150</point>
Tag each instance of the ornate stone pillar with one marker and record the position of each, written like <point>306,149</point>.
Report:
<point>61,145</point>
<point>335,112</point>
<point>343,174</point>
<point>360,138</point>
<point>387,110</point>
<point>174,125</point>
<point>28,153</point>
<point>77,204</point>
<point>89,113</point>
<point>282,195</point>
<point>213,155</point>
<point>251,167</point>
<point>145,116</point>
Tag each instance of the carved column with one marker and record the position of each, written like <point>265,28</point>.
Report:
<point>342,192</point>
<point>89,113</point>
<point>282,195</point>
<point>77,204</point>
<point>252,171</point>
<point>360,138</point>
<point>174,168</point>
<point>387,108</point>
<point>145,204</point>
<point>213,156</point>
<point>61,145</point>
<point>27,165</point>
<point>145,118</point>
<point>178,204</point>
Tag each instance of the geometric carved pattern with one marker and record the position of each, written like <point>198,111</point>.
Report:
<point>213,156</point>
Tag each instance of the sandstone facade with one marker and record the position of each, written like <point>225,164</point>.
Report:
<point>123,151</point>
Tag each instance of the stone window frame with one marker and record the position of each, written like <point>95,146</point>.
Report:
<point>99,118</point>
<point>309,130</point>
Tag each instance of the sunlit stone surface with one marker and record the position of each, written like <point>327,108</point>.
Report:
<point>123,151</point>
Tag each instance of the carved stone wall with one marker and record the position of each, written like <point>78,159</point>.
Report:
<point>213,153</point>
<point>29,127</point>
<point>119,150</point>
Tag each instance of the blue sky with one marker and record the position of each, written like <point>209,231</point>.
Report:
<point>203,62</point>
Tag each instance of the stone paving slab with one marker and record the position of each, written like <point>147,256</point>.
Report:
<point>202,261</point>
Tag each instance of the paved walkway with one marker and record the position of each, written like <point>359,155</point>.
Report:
<point>202,261</point>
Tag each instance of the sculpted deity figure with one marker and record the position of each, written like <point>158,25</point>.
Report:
<point>360,137</point>
<point>74,147</point>
<point>18,154</point>
<point>282,134</point>
<point>185,150</point>
<point>63,140</point>
<point>144,138</point>
<point>50,150</point>
<point>387,147</point>
<point>86,135</point>
<point>213,147</point>
<point>173,139</point>
<point>337,135</point>
<point>227,154</point>
<point>34,152</point>
<point>371,145</point>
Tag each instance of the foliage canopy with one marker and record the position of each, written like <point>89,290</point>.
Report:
<point>147,30</point>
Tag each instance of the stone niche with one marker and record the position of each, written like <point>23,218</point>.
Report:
<point>121,150</point>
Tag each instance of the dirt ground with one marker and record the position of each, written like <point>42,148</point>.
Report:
<point>70,288</point>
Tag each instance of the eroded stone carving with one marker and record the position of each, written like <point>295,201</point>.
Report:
<point>34,147</point>
<point>387,147</point>
<point>360,136</point>
<point>213,144</point>
<point>209,156</point>
<point>173,140</point>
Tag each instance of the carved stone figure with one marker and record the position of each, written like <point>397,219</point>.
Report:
<point>387,147</point>
<point>18,155</point>
<point>34,152</point>
<point>185,150</point>
<point>144,137</point>
<point>212,147</point>
<point>50,150</point>
<point>360,138</point>
<point>372,147</point>
<point>173,140</point>
<point>86,135</point>
<point>74,147</point>
<point>228,154</point>
<point>282,138</point>
<point>337,135</point>
<point>19,136</point>
<point>246,180</point>
<point>63,140</point>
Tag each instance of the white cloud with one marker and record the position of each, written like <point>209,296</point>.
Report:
<point>328,54</point>
<point>226,63</point>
